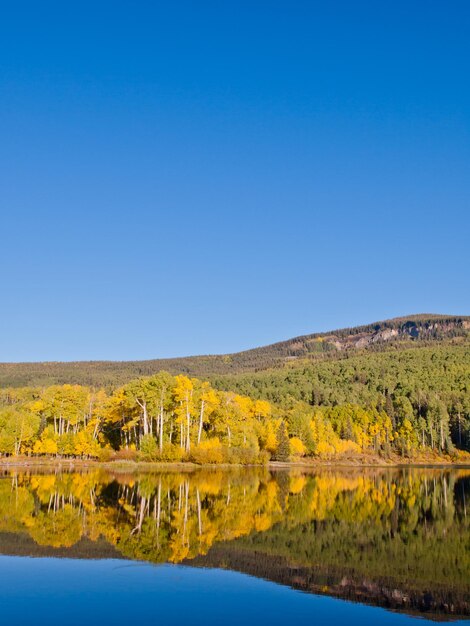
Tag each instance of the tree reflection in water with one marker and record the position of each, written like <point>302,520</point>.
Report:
<point>393,538</point>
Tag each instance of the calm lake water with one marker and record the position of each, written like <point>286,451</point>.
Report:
<point>235,546</point>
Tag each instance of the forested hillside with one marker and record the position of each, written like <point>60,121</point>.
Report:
<point>397,388</point>
<point>426,392</point>
<point>395,334</point>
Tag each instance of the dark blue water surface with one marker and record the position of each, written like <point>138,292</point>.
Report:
<point>68,591</point>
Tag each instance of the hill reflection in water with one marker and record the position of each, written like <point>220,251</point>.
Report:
<point>398,539</point>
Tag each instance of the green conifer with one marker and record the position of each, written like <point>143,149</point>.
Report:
<point>282,451</point>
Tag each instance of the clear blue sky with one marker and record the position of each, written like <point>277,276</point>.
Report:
<point>192,177</point>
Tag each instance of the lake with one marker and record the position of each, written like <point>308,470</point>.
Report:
<point>235,546</point>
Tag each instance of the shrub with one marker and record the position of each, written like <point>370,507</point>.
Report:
<point>209,451</point>
<point>245,455</point>
<point>66,445</point>
<point>148,448</point>
<point>85,446</point>
<point>263,458</point>
<point>105,454</point>
<point>324,449</point>
<point>125,454</point>
<point>171,452</point>
<point>297,447</point>
<point>346,446</point>
<point>46,445</point>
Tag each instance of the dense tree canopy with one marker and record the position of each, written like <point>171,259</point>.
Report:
<point>161,417</point>
<point>404,399</point>
<point>395,387</point>
<point>383,403</point>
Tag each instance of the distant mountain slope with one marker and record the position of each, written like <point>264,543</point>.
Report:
<point>397,333</point>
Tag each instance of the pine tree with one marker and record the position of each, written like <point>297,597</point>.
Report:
<point>282,451</point>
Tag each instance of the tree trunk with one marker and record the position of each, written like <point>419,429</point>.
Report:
<point>188,428</point>
<point>143,406</point>
<point>96,429</point>
<point>201,420</point>
<point>161,429</point>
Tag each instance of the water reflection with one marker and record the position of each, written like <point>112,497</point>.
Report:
<point>393,538</point>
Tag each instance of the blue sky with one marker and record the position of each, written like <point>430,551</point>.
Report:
<point>197,177</point>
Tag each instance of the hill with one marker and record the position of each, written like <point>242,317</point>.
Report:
<point>401,386</point>
<point>394,334</point>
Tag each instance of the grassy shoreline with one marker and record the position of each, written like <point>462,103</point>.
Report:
<point>356,462</point>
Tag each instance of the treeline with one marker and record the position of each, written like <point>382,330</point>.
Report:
<point>163,417</point>
<point>416,398</point>
<point>375,405</point>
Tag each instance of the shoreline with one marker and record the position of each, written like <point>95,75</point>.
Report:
<point>155,466</point>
